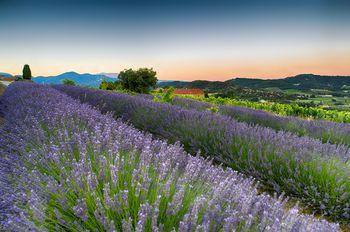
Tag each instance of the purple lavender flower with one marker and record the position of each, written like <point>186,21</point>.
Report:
<point>71,193</point>
<point>315,172</point>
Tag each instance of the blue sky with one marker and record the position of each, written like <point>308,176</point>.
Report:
<point>185,40</point>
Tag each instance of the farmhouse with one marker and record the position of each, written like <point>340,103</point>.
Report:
<point>196,92</point>
<point>6,79</point>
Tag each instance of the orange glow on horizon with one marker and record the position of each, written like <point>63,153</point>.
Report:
<point>208,69</point>
<point>264,69</point>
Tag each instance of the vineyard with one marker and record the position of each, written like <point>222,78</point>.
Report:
<point>282,109</point>
<point>79,159</point>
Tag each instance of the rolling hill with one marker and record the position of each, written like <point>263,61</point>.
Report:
<point>85,79</point>
<point>299,82</point>
<point>3,74</point>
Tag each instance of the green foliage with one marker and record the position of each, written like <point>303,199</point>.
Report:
<point>165,96</point>
<point>27,74</point>
<point>345,87</point>
<point>68,82</point>
<point>2,88</point>
<point>169,95</point>
<point>139,81</point>
<point>259,94</point>
<point>292,90</point>
<point>107,85</point>
<point>299,82</point>
<point>19,78</point>
<point>214,109</point>
<point>282,109</point>
<point>124,188</point>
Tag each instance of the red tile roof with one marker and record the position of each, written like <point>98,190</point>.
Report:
<point>189,91</point>
<point>6,79</point>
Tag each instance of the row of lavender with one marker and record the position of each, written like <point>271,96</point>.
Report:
<point>316,173</point>
<point>66,167</point>
<point>326,131</point>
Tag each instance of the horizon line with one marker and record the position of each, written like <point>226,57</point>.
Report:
<point>187,80</point>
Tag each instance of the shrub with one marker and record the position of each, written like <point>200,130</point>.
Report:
<point>139,81</point>
<point>27,74</point>
<point>167,96</point>
<point>68,82</point>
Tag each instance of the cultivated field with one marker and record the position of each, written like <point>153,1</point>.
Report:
<point>326,131</point>
<point>97,172</point>
<point>282,109</point>
<point>315,172</point>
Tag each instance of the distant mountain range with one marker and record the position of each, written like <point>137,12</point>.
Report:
<point>111,75</point>
<point>3,74</point>
<point>86,79</point>
<point>299,82</point>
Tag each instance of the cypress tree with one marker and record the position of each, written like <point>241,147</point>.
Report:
<point>27,74</point>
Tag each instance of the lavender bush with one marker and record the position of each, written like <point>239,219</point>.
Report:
<point>316,173</point>
<point>326,131</point>
<point>66,167</point>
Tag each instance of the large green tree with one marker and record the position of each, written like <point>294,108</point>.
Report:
<point>27,74</point>
<point>140,81</point>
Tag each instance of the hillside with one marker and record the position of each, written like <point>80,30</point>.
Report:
<point>299,82</point>
<point>85,79</point>
<point>3,74</point>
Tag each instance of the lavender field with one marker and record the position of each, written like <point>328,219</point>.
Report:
<point>316,173</point>
<point>326,131</point>
<point>174,116</point>
<point>66,166</point>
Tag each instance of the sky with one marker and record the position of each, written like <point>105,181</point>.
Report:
<point>181,40</point>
